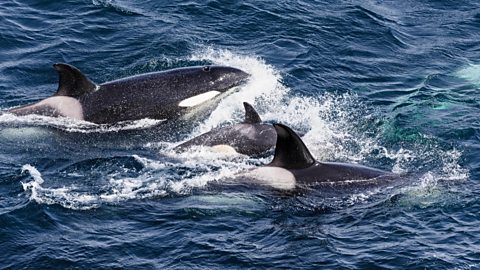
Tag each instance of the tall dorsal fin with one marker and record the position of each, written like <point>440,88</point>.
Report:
<point>72,82</point>
<point>251,116</point>
<point>290,151</point>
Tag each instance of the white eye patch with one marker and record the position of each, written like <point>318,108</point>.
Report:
<point>198,99</point>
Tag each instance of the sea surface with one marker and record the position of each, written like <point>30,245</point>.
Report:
<point>388,84</point>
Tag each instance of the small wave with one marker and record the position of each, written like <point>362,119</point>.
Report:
<point>359,197</point>
<point>63,196</point>
<point>33,186</point>
<point>117,6</point>
<point>431,188</point>
<point>72,197</point>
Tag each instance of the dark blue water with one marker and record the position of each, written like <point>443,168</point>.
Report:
<point>388,84</point>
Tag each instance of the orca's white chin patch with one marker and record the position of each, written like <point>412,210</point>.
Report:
<point>198,99</point>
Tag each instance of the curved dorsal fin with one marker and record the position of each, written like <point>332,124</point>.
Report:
<point>72,82</point>
<point>251,116</point>
<point>290,151</point>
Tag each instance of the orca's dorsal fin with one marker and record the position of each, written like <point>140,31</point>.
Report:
<point>290,151</point>
<point>72,82</point>
<point>251,116</point>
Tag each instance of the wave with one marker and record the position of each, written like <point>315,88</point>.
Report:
<point>118,6</point>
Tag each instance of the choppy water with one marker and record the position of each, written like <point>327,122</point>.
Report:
<point>388,84</point>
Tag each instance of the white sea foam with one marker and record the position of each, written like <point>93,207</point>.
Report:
<point>118,6</point>
<point>470,73</point>
<point>361,197</point>
<point>76,126</point>
<point>74,197</point>
<point>263,86</point>
<point>451,169</point>
<point>274,103</point>
<point>159,180</point>
<point>35,184</point>
<point>426,190</point>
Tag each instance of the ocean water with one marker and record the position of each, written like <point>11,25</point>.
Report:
<point>388,84</point>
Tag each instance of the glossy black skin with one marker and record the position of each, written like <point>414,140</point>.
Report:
<point>156,95</point>
<point>247,139</point>
<point>336,172</point>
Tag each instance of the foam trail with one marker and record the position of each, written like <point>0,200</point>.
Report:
<point>161,179</point>
<point>62,196</point>
<point>76,126</point>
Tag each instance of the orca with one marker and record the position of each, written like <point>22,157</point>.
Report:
<point>294,167</point>
<point>251,137</point>
<point>161,95</point>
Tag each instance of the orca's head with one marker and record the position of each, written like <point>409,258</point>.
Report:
<point>205,83</point>
<point>223,78</point>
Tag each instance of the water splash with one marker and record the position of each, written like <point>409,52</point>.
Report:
<point>35,184</point>
<point>470,73</point>
<point>263,86</point>
<point>328,118</point>
<point>337,127</point>
<point>64,196</point>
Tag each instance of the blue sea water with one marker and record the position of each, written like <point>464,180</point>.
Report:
<point>388,84</point>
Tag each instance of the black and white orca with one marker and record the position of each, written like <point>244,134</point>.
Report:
<point>162,95</point>
<point>293,167</point>
<point>251,137</point>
